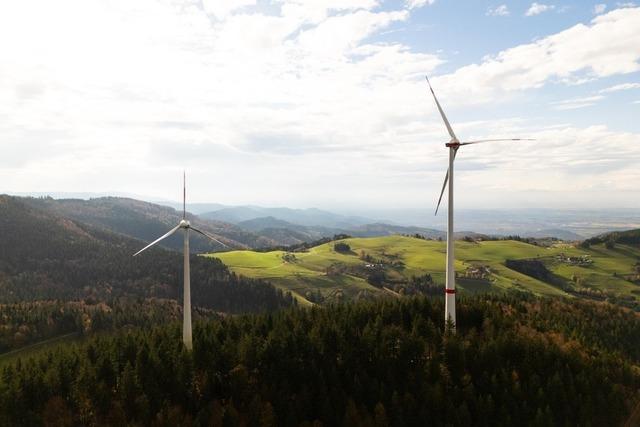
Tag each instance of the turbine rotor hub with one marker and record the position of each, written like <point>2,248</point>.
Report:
<point>184,224</point>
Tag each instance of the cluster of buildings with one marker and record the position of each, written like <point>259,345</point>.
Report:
<point>582,260</point>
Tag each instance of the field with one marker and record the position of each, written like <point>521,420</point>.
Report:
<point>306,273</point>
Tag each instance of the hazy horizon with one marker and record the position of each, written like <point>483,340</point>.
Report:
<point>568,223</point>
<point>341,208</point>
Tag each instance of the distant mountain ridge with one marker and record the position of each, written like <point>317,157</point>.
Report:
<point>321,223</point>
<point>565,224</point>
<point>554,232</point>
<point>277,229</point>
<point>239,227</point>
<point>261,223</point>
<point>309,217</point>
<point>147,221</point>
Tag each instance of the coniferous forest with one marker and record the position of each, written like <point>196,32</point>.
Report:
<point>513,361</point>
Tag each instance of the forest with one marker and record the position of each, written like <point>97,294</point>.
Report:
<point>25,323</point>
<point>144,221</point>
<point>514,360</point>
<point>59,276</point>
<point>44,257</point>
<point>630,237</point>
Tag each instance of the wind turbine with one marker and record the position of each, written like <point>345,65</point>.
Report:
<point>453,145</point>
<point>186,226</point>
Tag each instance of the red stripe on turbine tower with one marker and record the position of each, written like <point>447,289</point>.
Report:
<point>450,291</point>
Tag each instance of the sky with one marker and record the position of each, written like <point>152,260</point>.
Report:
<point>312,103</point>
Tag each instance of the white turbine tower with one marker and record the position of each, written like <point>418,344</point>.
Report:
<point>453,145</point>
<point>186,226</point>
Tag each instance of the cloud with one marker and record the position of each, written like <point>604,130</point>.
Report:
<point>501,10</point>
<point>622,86</point>
<point>538,8</point>
<point>609,46</point>
<point>569,160</point>
<point>221,9</point>
<point>298,105</point>
<point>152,74</point>
<point>575,103</point>
<point>599,8</point>
<point>414,4</point>
<point>339,34</point>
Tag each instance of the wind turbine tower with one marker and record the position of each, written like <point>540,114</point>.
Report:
<point>187,227</point>
<point>453,145</point>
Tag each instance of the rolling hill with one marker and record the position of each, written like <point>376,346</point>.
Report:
<point>44,256</point>
<point>147,221</point>
<point>324,274</point>
<point>290,234</point>
<point>309,217</point>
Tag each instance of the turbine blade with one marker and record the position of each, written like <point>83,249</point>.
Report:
<point>444,184</point>
<point>444,117</point>
<point>205,234</point>
<point>492,140</point>
<point>169,233</point>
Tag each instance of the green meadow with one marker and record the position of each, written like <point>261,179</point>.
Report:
<point>307,273</point>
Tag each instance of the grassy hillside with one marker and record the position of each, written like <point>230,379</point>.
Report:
<point>596,272</point>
